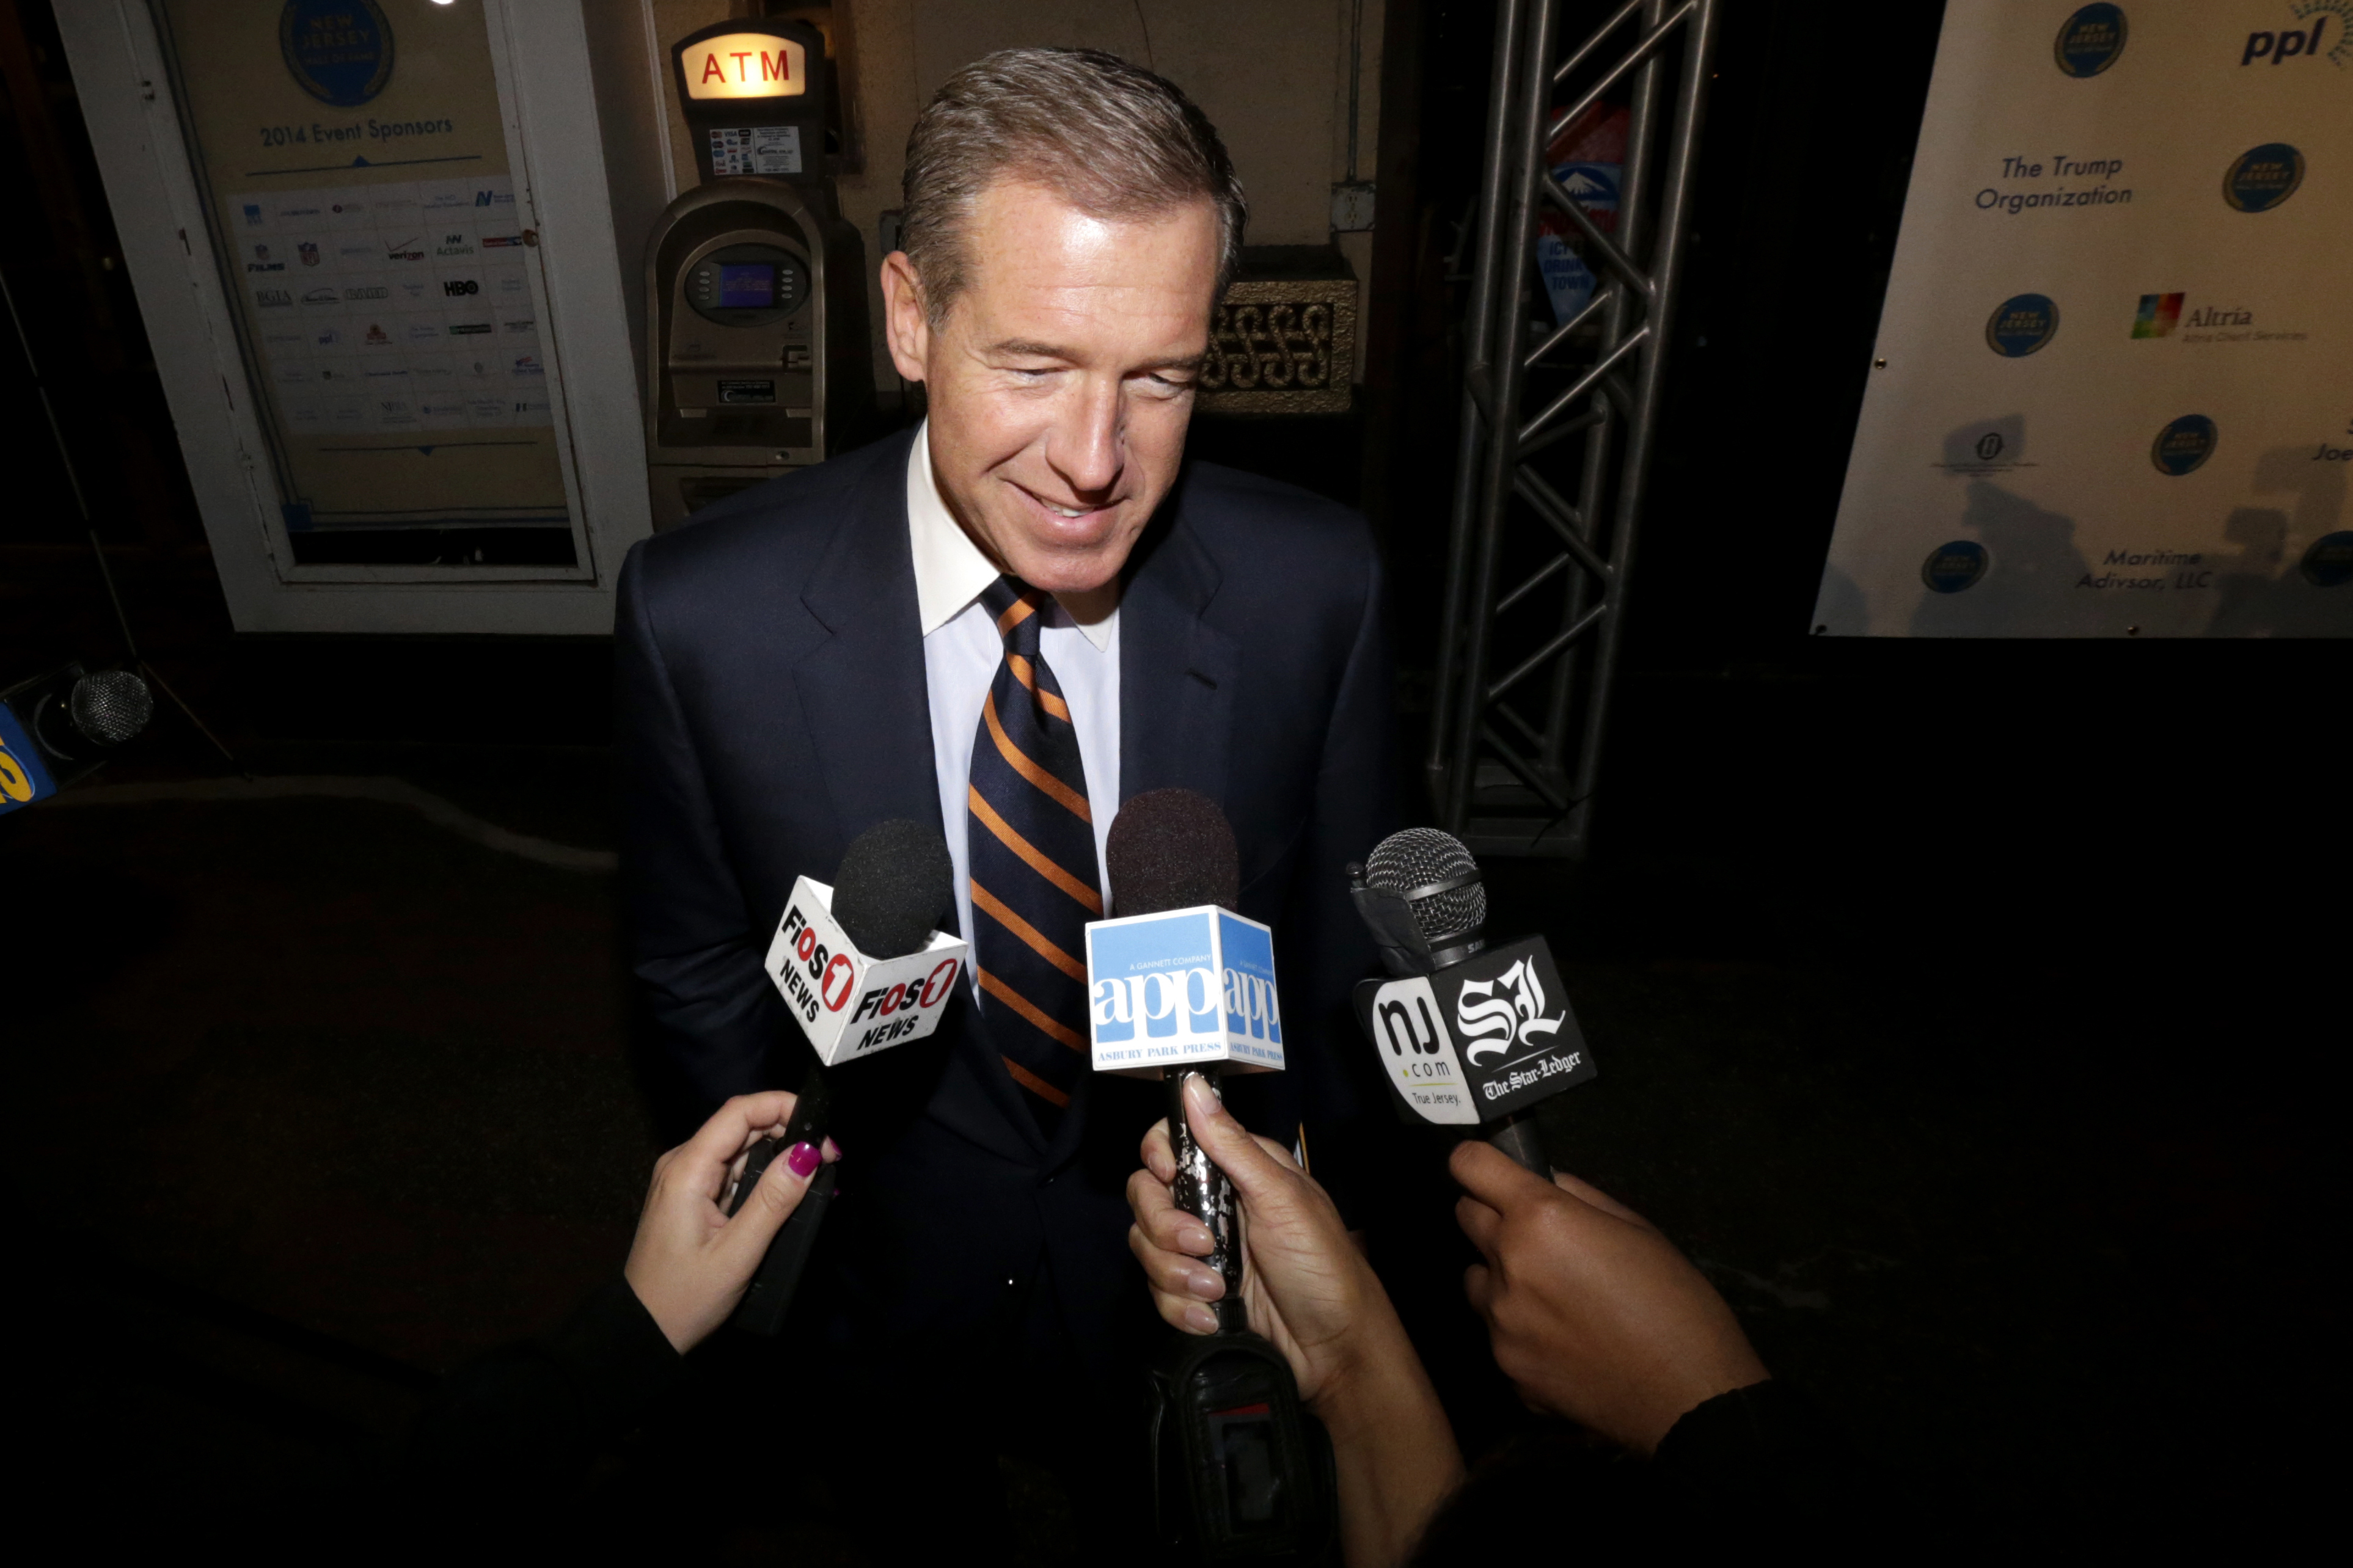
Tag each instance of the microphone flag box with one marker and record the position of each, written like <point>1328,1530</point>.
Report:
<point>850,1005</point>
<point>24,777</point>
<point>1479,1040</point>
<point>1179,988</point>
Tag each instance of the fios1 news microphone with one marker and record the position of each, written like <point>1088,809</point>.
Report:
<point>863,968</point>
<point>1473,1036</point>
<point>1180,988</point>
<point>57,727</point>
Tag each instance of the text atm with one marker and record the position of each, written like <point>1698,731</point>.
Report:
<point>755,285</point>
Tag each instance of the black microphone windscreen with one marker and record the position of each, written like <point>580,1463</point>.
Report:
<point>894,889</point>
<point>1171,849</point>
<point>1416,858</point>
<point>111,706</point>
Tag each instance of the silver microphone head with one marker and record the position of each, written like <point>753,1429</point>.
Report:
<point>1417,864</point>
<point>110,707</point>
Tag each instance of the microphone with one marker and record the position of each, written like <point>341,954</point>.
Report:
<point>872,936</point>
<point>1164,974</point>
<point>1179,988</point>
<point>57,727</point>
<point>1475,1035</point>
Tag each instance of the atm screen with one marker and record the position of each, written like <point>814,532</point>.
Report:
<point>747,285</point>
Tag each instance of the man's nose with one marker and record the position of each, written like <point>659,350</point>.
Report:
<point>1088,446</point>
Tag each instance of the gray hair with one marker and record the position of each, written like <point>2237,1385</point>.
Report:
<point>1113,138</point>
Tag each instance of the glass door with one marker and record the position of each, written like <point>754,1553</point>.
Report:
<point>358,170</point>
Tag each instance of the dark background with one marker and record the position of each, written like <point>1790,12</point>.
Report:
<point>1971,1011</point>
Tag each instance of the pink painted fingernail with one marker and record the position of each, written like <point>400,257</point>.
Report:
<point>833,1149</point>
<point>803,1159</point>
<point>1200,1320</point>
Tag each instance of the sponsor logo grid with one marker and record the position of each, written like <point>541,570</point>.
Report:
<point>2087,182</point>
<point>394,308</point>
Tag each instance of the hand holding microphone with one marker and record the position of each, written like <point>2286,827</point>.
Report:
<point>1304,1284</point>
<point>1470,1036</point>
<point>1592,1314</point>
<point>870,939</point>
<point>689,1263</point>
<point>1311,1293</point>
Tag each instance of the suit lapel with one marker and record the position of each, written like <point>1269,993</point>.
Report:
<point>863,689</point>
<point>1176,672</point>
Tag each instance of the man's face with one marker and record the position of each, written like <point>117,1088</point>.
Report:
<point>1062,379</point>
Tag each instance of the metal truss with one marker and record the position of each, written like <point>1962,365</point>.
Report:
<point>1559,426</point>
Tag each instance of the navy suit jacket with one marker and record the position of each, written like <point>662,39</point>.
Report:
<point>772,706</point>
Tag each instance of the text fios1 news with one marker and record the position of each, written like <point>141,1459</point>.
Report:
<point>850,1005</point>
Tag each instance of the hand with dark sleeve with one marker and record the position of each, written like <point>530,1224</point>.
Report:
<point>516,1434</point>
<point>1593,1315</point>
<point>1598,1319</point>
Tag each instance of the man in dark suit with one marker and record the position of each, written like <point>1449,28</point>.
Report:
<point>1006,622</point>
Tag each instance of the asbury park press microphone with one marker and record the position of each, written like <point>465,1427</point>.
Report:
<point>1180,988</point>
<point>1470,1036</point>
<point>861,967</point>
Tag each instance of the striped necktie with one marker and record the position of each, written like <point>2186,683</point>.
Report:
<point>1032,858</point>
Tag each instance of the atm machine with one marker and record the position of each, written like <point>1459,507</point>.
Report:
<point>755,287</point>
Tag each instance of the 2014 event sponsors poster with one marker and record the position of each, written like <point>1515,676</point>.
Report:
<point>2112,390</point>
<point>355,153</point>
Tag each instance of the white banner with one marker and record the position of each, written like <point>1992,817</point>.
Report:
<point>2113,389</point>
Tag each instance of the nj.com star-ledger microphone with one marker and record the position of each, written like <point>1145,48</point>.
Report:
<point>1006,623</point>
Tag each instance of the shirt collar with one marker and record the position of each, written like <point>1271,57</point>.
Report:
<point>950,570</point>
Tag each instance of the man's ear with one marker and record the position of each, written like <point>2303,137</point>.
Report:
<point>904,321</point>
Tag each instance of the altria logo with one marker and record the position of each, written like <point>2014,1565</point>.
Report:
<point>2303,42</point>
<point>1501,1012</point>
<point>2160,313</point>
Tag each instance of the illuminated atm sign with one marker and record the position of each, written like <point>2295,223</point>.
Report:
<point>744,65</point>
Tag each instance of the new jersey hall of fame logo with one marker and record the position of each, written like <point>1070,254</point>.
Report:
<point>2021,324</point>
<point>339,50</point>
<point>1955,566</point>
<point>2263,177</point>
<point>2329,563</point>
<point>2183,446</point>
<point>2092,41</point>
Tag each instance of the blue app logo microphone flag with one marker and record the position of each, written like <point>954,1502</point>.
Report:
<point>1185,985</point>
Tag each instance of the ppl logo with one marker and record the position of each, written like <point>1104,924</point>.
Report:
<point>252,215</point>
<point>2092,40</point>
<point>1184,986</point>
<point>2302,43</point>
<point>2159,314</point>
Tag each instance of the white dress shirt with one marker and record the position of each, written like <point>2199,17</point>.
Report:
<point>962,653</point>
